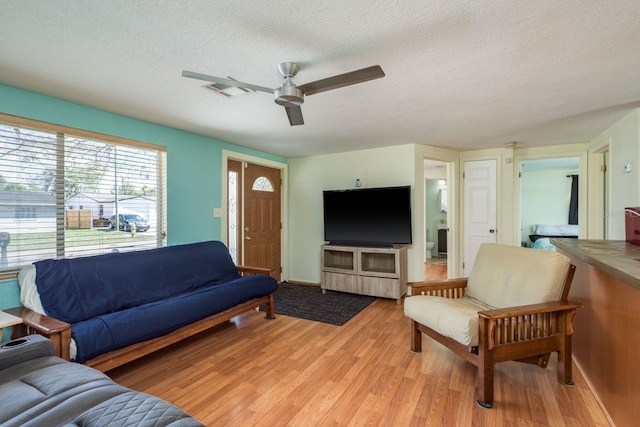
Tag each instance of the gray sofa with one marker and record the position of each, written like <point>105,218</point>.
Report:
<point>40,389</point>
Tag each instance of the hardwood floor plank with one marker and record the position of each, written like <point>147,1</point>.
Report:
<point>435,271</point>
<point>400,410</point>
<point>295,372</point>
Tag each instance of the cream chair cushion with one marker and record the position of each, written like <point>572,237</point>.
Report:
<point>456,318</point>
<point>509,276</point>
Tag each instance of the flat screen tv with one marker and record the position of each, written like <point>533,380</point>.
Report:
<point>368,217</point>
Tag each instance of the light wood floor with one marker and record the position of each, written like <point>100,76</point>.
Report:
<point>288,371</point>
<point>435,271</point>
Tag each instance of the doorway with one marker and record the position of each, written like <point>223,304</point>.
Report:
<point>549,202</point>
<point>254,227</point>
<point>436,222</point>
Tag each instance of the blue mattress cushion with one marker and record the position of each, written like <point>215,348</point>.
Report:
<point>111,331</point>
<point>79,289</point>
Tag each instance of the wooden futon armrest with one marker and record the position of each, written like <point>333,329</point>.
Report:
<point>524,310</point>
<point>56,330</point>
<point>526,324</point>
<point>450,288</point>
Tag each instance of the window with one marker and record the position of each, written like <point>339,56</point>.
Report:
<point>24,212</point>
<point>68,193</point>
<point>262,184</point>
<point>233,215</point>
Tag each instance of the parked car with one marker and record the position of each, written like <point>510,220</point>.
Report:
<point>126,220</point>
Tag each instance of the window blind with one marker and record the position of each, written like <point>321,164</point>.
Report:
<point>69,193</point>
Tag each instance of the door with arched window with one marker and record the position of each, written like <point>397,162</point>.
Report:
<point>259,217</point>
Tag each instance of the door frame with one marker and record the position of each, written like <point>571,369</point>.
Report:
<point>284,201</point>
<point>579,151</point>
<point>599,190</point>
<point>449,176</point>
<point>451,159</point>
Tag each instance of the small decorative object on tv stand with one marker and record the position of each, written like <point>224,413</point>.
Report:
<point>379,272</point>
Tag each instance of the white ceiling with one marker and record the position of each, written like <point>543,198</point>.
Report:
<point>459,74</point>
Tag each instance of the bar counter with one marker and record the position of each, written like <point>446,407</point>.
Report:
<point>606,342</point>
<point>615,257</point>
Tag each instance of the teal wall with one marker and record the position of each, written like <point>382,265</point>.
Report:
<point>9,297</point>
<point>194,185</point>
<point>193,161</point>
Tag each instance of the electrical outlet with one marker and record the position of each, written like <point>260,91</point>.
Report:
<point>217,212</point>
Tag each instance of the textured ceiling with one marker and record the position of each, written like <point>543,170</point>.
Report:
<point>459,74</point>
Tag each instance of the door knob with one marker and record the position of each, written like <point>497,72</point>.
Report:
<point>246,229</point>
<point>247,238</point>
<point>492,231</point>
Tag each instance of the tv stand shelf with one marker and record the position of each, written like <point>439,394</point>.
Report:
<point>379,272</point>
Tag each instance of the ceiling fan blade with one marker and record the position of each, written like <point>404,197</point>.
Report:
<point>342,80</point>
<point>295,115</point>
<point>228,82</point>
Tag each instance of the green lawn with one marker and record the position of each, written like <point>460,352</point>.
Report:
<point>76,238</point>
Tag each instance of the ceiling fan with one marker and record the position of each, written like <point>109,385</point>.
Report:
<point>290,96</point>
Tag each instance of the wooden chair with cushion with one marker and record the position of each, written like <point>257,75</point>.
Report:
<point>513,306</point>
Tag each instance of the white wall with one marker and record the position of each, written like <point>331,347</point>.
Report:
<point>403,165</point>
<point>310,176</point>
<point>624,187</point>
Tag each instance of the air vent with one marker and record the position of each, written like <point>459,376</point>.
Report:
<point>227,91</point>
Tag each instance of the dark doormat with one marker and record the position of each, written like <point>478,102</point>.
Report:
<point>308,302</point>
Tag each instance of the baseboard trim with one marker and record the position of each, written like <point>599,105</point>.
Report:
<point>297,282</point>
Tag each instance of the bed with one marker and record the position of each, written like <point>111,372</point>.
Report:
<point>542,233</point>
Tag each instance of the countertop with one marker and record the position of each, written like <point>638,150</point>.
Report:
<point>614,257</point>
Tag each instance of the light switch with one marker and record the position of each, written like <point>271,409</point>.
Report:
<point>217,212</point>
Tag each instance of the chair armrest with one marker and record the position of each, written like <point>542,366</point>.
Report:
<point>255,271</point>
<point>24,349</point>
<point>450,288</point>
<point>527,323</point>
<point>39,322</point>
<point>523,310</point>
<point>56,330</point>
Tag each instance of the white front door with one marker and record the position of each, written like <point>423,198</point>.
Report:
<point>479,208</point>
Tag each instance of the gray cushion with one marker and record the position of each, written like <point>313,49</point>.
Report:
<point>135,409</point>
<point>25,348</point>
<point>49,391</point>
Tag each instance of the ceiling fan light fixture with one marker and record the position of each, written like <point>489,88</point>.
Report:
<point>226,90</point>
<point>288,95</point>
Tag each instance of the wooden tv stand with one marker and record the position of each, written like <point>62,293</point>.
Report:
<point>379,272</point>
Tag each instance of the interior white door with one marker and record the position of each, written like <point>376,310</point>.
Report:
<point>479,208</point>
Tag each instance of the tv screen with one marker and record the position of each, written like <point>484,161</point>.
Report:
<point>368,217</point>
